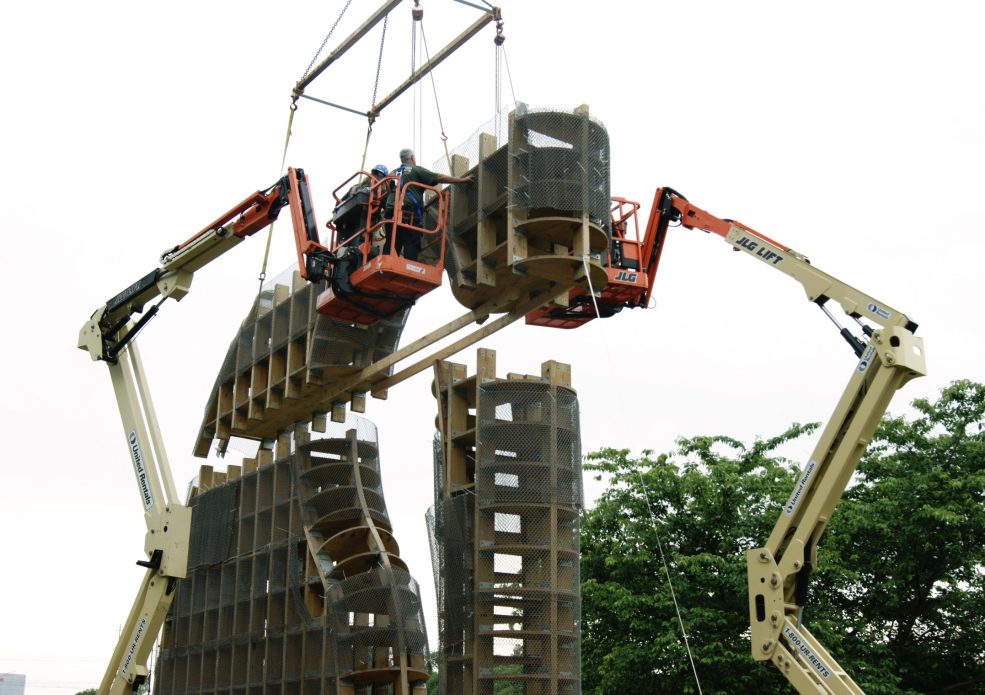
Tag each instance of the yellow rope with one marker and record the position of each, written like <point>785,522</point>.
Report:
<point>270,229</point>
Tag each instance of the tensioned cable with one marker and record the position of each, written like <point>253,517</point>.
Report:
<point>287,140</point>
<point>376,85</point>
<point>509,75</point>
<point>437,107</point>
<point>673,595</point>
<point>415,90</point>
<point>498,88</point>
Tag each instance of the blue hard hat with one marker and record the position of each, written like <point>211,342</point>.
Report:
<point>380,169</point>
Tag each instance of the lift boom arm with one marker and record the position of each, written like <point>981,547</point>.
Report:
<point>778,572</point>
<point>109,336</point>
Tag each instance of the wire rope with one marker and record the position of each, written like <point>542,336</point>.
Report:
<point>437,106</point>
<point>287,139</point>
<point>670,583</point>
<point>509,75</point>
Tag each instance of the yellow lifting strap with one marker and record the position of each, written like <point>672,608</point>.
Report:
<point>270,229</point>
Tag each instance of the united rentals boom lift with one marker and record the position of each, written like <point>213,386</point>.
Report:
<point>109,335</point>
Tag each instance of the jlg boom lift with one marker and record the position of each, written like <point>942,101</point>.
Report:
<point>109,337</point>
<point>889,356</point>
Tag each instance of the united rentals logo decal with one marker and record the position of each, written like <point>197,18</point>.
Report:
<point>141,626</point>
<point>866,360</point>
<point>138,466</point>
<point>809,656</point>
<point>879,311</point>
<point>802,484</point>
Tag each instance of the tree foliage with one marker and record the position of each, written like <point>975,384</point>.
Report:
<point>907,549</point>
<point>898,594</point>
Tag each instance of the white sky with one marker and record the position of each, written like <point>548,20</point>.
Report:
<point>852,132</point>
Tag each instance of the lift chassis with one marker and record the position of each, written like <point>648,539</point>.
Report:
<point>778,572</point>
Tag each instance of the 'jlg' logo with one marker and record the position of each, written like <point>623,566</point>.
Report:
<point>626,276</point>
<point>753,247</point>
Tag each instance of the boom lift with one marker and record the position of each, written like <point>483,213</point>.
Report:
<point>889,357</point>
<point>109,336</point>
<point>374,281</point>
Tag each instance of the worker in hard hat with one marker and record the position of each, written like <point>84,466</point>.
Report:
<point>369,186</point>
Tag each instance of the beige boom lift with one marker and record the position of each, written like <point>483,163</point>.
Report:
<point>779,571</point>
<point>109,336</point>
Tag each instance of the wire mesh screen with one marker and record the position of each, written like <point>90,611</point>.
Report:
<point>310,595</point>
<point>507,554</point>
<point>215,520</point>
<point>531,163</point>
<point>561,162</point>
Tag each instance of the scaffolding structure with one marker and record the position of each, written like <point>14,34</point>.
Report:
<point>504,530</point>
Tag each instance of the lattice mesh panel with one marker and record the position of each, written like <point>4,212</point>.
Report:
<point>506,551</point>
<point>311,596</point>
<point>533,162</point>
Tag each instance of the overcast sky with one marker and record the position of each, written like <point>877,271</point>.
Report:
<point>852,132</point>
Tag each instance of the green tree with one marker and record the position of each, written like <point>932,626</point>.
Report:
<point>906,549</point>
<point>87,691</point>
<point>898,595</point>
<point>712,499</point>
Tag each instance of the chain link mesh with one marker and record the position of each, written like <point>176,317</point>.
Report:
<point>544,170</point>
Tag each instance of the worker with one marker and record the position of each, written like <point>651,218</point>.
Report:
<point>409,240</point>
<point>357,223</point>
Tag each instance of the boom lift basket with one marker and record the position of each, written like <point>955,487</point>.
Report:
<point>372,280</point>
<point>627,278</point>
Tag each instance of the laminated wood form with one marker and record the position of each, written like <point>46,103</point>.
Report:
<point>504,530</point>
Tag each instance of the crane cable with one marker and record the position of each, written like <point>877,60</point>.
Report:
<point>673,595</point>
<point>371,117</point>
<point>287,140</point>
<point>437,107</point>
<point>416,109</point>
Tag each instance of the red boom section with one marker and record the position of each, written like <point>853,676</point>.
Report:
<point>632,264</point>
